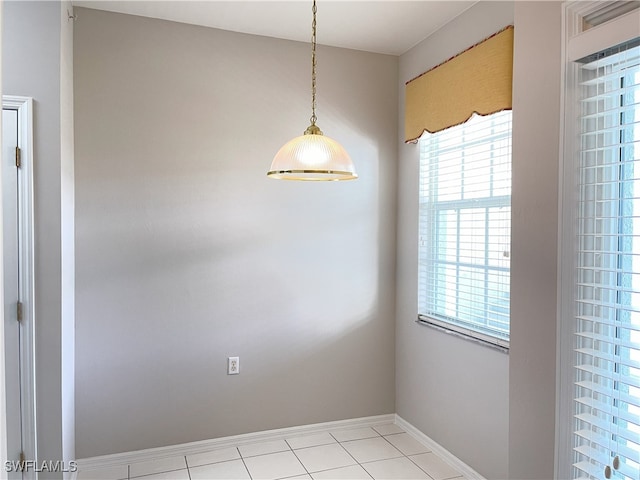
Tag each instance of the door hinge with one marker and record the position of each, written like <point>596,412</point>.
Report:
<point>23,459</point>
<point>18,157</point>
<point>19,311</point>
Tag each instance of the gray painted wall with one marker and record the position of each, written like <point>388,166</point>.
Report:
<point>187,254</point>
<point>3,406</point>
<point>67,206</point>
<point>37,63</point>
<point>455,391</point>
<point>494,411</point>
<point>536,149</point>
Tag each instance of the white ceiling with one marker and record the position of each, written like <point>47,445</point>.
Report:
<point>381,26</point>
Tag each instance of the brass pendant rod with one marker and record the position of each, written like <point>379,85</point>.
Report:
<point>313,65</point>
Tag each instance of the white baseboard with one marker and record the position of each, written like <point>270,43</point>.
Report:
<point>191,448</point>
<point>468,472</point>
<point>206,445</point>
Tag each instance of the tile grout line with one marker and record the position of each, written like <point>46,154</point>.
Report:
<point>426,473</point>
<point>186,462</point>
<point>386,440</point>
<point>401,452</point>
<point>437,456</point>
<point>315,446</point>
<point>349,453</point>
<point>243,462</point>
<point>146,475</point>
<point>416,454</point>
<point>298,458</point>
<point>260,454</point>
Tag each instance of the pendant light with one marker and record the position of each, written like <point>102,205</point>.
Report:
<point>312,156</point>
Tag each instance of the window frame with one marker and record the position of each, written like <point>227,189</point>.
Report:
<point>428,262</point>
<point>579,41</point>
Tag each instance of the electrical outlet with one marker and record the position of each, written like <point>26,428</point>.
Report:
<point>233,365</point>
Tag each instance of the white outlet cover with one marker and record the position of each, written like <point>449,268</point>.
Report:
<point>233,365</point>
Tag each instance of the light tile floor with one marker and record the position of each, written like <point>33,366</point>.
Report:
<point>380,453</point>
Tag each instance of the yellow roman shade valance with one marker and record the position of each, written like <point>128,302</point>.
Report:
<point>477,80</point>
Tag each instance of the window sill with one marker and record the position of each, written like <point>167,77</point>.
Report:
<point>485,340</point>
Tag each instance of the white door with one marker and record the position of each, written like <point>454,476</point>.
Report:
<point>12,328</point>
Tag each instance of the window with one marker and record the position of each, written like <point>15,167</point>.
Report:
<point>465,228</point>
<point>606,307</point>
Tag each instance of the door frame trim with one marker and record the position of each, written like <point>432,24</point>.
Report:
<point>24,107</point>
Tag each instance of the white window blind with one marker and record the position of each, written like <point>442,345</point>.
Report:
<point>465,228</point>
<point>606,406</point>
